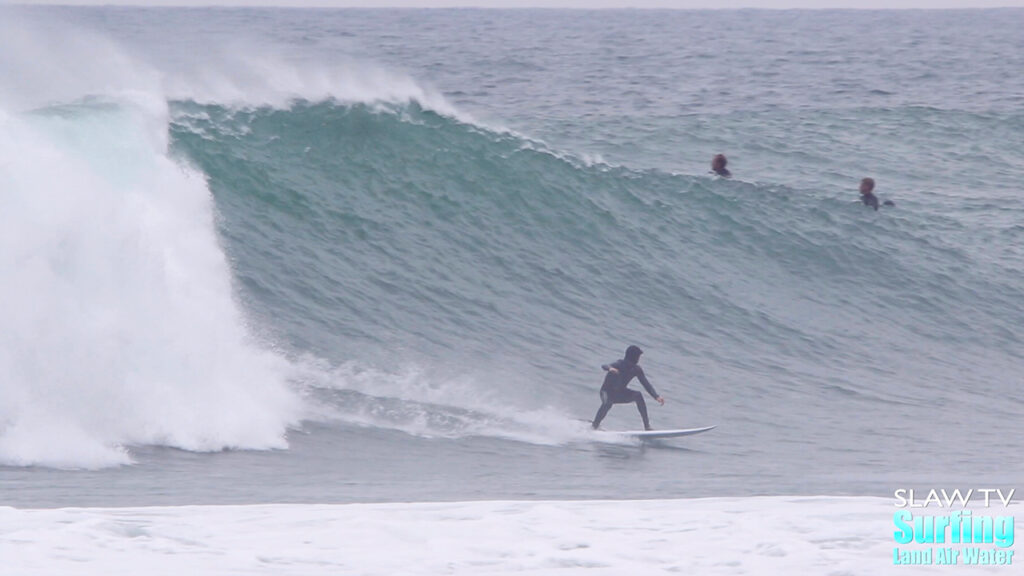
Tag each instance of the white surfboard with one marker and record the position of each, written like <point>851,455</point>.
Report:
<point>659,433</point>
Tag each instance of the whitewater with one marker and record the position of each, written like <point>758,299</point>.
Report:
<point>322,291</point>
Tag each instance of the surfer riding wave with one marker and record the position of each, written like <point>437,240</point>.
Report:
<point>614,390</point>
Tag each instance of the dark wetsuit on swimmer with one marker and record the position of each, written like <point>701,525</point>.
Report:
<point>615,391</point>
<point>867,194</point>
<point>869,199</point>
<point>718,166</point>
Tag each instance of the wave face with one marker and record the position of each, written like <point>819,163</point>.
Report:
<point>395,235</point>
<point>390,221</point>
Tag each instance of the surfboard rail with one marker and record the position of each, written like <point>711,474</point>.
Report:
<point>659,433</point>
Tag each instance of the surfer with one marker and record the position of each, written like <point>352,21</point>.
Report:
<point>867,194</point>
<point>615,391</point>
<point>718,166</point>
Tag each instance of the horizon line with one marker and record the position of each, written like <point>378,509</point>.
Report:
<point>322,6</point>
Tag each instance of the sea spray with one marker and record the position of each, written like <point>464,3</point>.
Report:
<point>119,321</point>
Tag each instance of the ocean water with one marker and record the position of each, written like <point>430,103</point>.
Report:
<point>257,256</point>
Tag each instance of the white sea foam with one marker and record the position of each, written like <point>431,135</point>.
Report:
<point>426,404</point>
<point>118,324</point>
<point>760,535</point>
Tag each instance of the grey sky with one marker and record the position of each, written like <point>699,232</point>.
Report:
<point>874,4</point>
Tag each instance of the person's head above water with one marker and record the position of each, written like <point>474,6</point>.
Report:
<point>633,354</point>
<point>867,185</point>
<point>718,165</point>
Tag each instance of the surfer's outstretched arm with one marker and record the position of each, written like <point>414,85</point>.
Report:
<point>647,386</point>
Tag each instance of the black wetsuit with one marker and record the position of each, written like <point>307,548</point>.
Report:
<point>614,390</point>
<point>870,199</point>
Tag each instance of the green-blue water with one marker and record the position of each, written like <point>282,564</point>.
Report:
<point>402,243</point>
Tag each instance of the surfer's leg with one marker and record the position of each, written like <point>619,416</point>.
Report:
<point>642,407</point>
<point>606,405</point>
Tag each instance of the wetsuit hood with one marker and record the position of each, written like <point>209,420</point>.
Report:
<point>633,354</point>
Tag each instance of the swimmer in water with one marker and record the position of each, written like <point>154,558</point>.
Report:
<point>718,166</point>
<point>867,194</point>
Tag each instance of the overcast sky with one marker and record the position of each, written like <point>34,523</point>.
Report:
<point>560,3</point>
